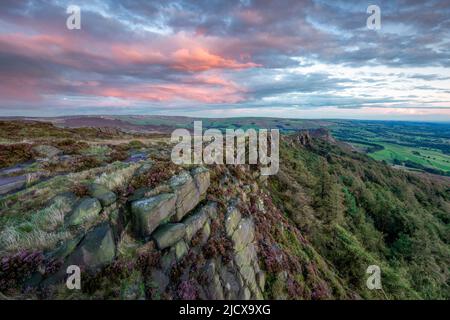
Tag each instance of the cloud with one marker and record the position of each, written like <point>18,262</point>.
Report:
<point>253,55</point>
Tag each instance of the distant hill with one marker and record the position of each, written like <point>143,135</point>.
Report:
<point>419,146</point>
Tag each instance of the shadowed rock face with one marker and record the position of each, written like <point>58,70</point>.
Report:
<point>201,178</point>
<point>104,195</point>
<point>90,252</point>
<point>95,250</point>
<point>87,210</point>
<point>187,194</point>
<point>169,234</point>
<point>197,220</point>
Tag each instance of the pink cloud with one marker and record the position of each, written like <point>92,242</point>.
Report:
<point>179,53</point>
<point>200,59</point>
<point>173,92</point>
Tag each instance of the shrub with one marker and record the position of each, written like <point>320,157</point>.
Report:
<point>187,290</point>
<point>14,153</point>
<point>136,144</point>
<point>16,268</point>
<point>219,247</point>
<point>80,190</point>
<point>118,155</point>
<point>160,172</point>
<point>71,146</point>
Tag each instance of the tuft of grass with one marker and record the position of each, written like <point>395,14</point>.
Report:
<point>97,150</point>
<point>13,239</point>
<point>42,230</point>
<point>117,179</point>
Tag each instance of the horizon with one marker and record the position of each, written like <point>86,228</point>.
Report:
<point>311,59</point>
<point>231,117</point>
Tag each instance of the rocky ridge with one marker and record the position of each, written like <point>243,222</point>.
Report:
<point>173,222</point>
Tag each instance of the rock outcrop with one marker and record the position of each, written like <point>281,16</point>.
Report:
<point>169,234</point>
<point>197,220</point>
<point>149,213</point>
<point>194,248</point>
<point>187,191</point>
<point>96,249</point>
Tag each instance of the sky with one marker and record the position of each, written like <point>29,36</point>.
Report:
<point>284,58</point>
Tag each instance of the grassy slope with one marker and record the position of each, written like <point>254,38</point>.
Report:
<point>358,212</point>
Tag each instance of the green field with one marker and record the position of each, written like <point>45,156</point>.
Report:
<point>418,146</point>
<point>428,158</point>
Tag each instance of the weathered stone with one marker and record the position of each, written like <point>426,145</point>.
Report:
<point>169,234</point>
<point>149,213</point>
<point>232,219</point>
<point>140,193</point>
<point>245,294</point>
<point>261,279</point>
<point>102,193</point>
<point>187,194</point>
<point>147,192</point>
<point>211,209</point>
<point>246,256</point>
<point>158,281</point>
<point>181,250</point>
<point>8,184</point>
<point>195,222</point>
<point>201,178</point>
<point>244,234</point>
<point>95,250</point>
<point>248,274</point>
<point>47,151</point>
<point>214,290</point>
<point>259,295</point>
<point>206,232</point>
<point>66,248</point>
<point>231,284</point>
<point>86,210</point>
